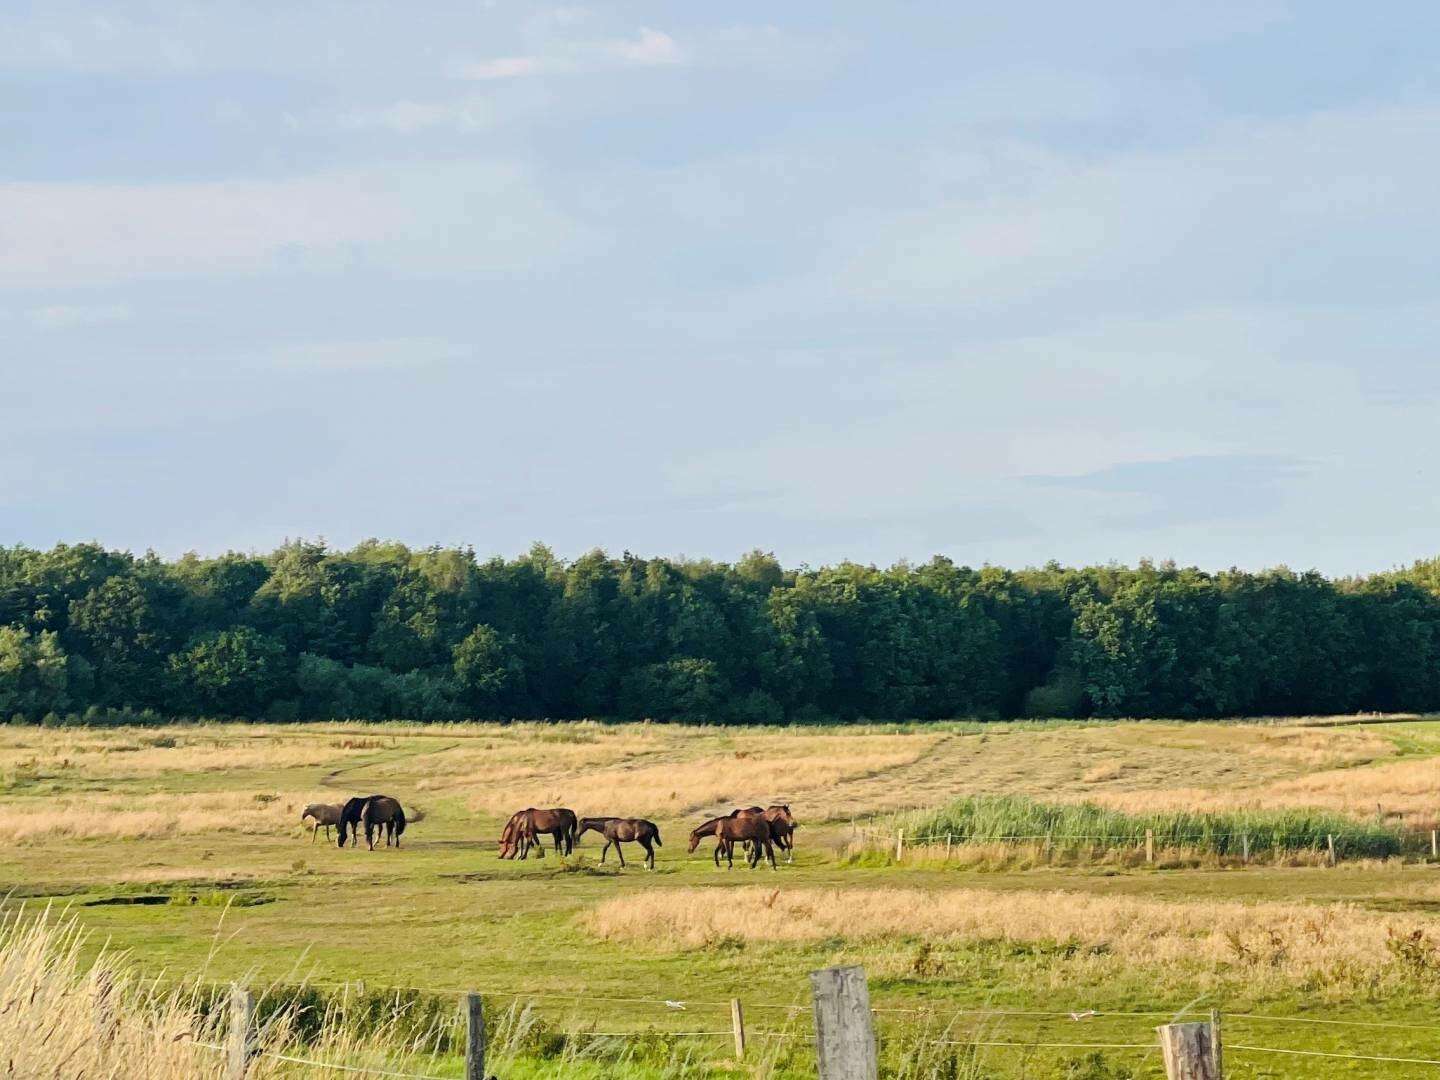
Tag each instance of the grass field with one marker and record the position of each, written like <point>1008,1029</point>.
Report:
<point>182,846</point>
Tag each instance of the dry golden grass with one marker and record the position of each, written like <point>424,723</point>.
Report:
<point>62,1018</point>
<point>123,817</point>
<point>1336,946</point>
<point>1405,791</point>
<point>132,753</point>
<point>785,769</point>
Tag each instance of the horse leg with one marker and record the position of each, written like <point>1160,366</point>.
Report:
<point>718,845</point>
<point>316,832</point>
<point>770,854</point>
<point>604,851</point>
<point>649,854</point>
<point>621,852</point>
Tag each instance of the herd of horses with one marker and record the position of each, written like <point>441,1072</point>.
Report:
<point>758,830</point>
<point>378,815</point>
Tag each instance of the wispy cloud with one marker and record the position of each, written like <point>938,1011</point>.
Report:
<point>65,316</point>
<point>410,117</point>
<point>387,354</point>
<point>647,48</point>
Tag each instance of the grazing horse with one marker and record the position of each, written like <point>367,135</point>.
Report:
<point>525,827</point>
<point>321,815</point>
<point>744,827</point>
<point>386,814</point>
<point>708,828</point>
<point>372,812</point>
<point>617,829</point>
<point>350,818</point>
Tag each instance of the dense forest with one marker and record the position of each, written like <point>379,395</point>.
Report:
<point>383,631</point>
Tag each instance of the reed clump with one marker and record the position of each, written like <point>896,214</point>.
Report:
<point>1009,818</point>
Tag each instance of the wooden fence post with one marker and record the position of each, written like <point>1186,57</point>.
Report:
<point>737,1022</point>
<point>474,1036</point>
<point>1330,843</point>
<point>1435,844</point>
<point>1191,1051</point>
<point>899,845</point>
<point>1219,1042</point>
<point>1149,845</point>
<point>1245,847</point>
<point>844,1026</point>
<point>947,847</point>
<point>242,1033</point>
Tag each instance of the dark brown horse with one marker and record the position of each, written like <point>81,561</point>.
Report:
<point>373,812</point>
<point>616,830</point>
<point>525,827</point>
<point>746,827</point>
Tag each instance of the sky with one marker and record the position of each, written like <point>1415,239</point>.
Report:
<point>1007,283</point>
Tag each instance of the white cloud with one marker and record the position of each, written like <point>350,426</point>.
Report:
<point>651,48</point>
<point>64,316</point>
<point>503,67</point>
<point>474,217</point>
<point>647,48</point>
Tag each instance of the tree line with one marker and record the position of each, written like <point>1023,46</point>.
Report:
<point>385,631</point>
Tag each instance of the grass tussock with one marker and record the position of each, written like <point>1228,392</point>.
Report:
<point>996,818</point>
<point>1339,948</point>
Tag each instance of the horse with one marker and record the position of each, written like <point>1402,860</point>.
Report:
<point>782,828</point>
<point>743,827</point>
<point>708,828</point>
<point>524,828</point>
<point>384,813</point>
<point>371,811</point>
<point>616,829</point>
<point>322,815</point>
<point>350,818</point>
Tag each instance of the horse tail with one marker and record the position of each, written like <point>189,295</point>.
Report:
<point>399,819</point>
<point>657,836</point>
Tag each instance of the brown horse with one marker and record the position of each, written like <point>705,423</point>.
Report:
<point>320,815</point>
<point>746,827</point>
<point>782,828</point>
<point>525,827</point>
<point>708,828</point>
<point>616,830</point>
<point>386,814</point>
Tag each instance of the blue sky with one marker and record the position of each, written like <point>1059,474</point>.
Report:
<point>842,280</point>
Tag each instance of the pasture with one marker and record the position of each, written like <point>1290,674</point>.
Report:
<point>183,847</point>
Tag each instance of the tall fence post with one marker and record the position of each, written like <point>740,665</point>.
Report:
<point>737,1023</point>
<point>1245,847</point>
<point>899,845</point>
<point>242,1033</point>
<point>844,1026</point>
<point>1219,1042</point>
<point>474,1037</point>
<point>1149,845</point>
<point>1435,843</point>
<point>947,847</point>
<point>1330,844</point>
<point>1191,1051</point>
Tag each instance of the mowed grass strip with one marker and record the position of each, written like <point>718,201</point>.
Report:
<point>989,818</point>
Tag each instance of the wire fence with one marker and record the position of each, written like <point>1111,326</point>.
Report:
<point>1132,1020</point>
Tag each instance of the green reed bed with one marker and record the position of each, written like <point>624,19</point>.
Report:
<point>1006,818</point>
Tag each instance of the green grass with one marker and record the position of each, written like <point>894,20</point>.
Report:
<point>445,914</point>
<point>981,818</point>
